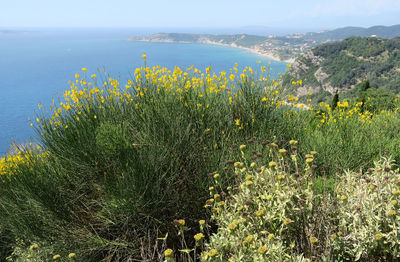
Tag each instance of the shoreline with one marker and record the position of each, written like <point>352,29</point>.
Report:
<point>270,56</point>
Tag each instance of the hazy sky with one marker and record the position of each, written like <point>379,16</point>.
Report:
<point>205,13</point>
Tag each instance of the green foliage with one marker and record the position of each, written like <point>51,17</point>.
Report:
<point>267,215</point>
<point>349,62</point>
<point>367,213</point>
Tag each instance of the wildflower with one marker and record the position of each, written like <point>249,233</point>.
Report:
<point>71,255</point>
<point>339,233</point>
<point>262,250</point>
<point>313,153</point>
<point>343,197</point>
<point>397,192</point>
<point>212,253</point>
<point>216,176</point>
<point>233,226</point>
<point>221,203</point>
<point>179,222</point>
<point>93,76</point>
<point>34,246</point>
<point>249,177</point>
<point>260,213</point>
<point>313,240</point>
<point>144,56</point>
<point>84,69</point>
<point>378,236</point>
<point>287,221</point>
<point>392,212</point>
<point>248,239</point>
<point>237,122</point>
<point>55,257</point>
<point>282,151</point>
<point>393,202</point>
<point>216,196</point>
<point>252,164</point>
<point>211,188</point>
<point>202,222</point>
<point>271,236</point>
<point>309,160</point>
<point>168,253</point>
<point>249,183</point>
<point>333,236</point>
<point>242,147</point>
<point>199,236</point>
<point>272,164</point>
<point>293,142</point>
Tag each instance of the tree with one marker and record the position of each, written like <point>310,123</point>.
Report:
<point>335,100</point>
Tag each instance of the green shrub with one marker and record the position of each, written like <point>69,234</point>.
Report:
<point>272,213</point>
<point>368,214</point>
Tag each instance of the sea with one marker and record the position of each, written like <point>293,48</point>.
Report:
<point>36,65</point>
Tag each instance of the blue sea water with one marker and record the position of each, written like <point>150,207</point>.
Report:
<point>35,66</point>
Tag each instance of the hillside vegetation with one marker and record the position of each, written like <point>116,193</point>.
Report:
<point>345,65</point>
<point>190,165</point>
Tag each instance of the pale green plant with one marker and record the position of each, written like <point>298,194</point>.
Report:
<point>368,214</point>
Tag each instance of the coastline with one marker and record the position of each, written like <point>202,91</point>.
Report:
<point>257,51</point>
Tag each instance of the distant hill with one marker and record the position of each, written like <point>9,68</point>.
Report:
<point>344,65</point>
<point>283,48</point>
<point>346,32</point>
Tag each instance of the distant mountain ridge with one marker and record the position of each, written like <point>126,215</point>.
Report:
<point>345,65</point>
<point>281,48</point>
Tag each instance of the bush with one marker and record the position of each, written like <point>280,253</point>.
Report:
<point>272,212</point>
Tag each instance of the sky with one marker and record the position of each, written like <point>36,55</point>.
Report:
<point>322,14</point>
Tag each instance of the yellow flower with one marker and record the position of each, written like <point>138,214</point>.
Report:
<point>202,222</point>
<point>309,160</point>
<point>271,236</point>
<point>242,147</point>
<point>272,164</point>
<point>262,250</point>
<point>293,142</point>
<point>333,236</point>
<point>199,236</point>
<point>287,221</point>
<point>55,257</point>
<point>217,196</point>
<point>168,253</point>
<point>313,153</point>
<point>378,236</point>
<point>282,151</point>
<point>397,192</point>
<point>393,202</point>
<point>84,69</point>
<point>77,76</point>
<point>260,213</point>
<point>249,183</point>
<point>313,240</point>
<point>216,176</point>
<point>71,255</point>
<point>233,226</point>
<point>93,76</point>
<point>212,253</point>
<point>144,56</point>
<point>211,188</point>
<point>392,212</point>
<point>237,122</point>
<point>339,233</point>
<point>343,197</point>
<point>34,246</point>
<point>248,239</point>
